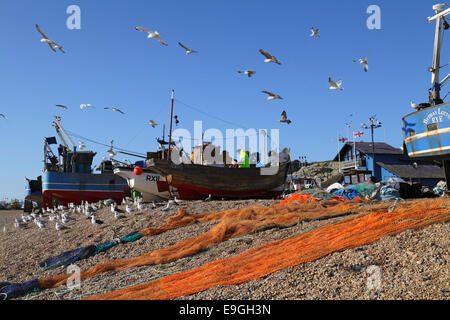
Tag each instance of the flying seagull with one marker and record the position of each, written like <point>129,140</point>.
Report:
<point>188,51</point>
<point>365,62</point>
<point>314,32</point>
<point>2,115</point>
<point>272,96</point>
<point>269,57</point>
<point>53,45</point>
<point>335,85</point>
<point>115,109</point>
<point>82,106</point>
<point>152,123</point>
<point>284,118</point>
<point>61,106</point>
<point>152,34</point>
<point>249,73</point>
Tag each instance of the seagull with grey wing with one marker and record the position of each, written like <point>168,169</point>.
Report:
<point>272,96</point>
<point>284,118</point>
<point>249,73</point>
<point>335,85</point>
<point>61,106</point>
<point>87,105</point>
<point>115,109</point>
<point>53,45</point>
<point>3,116</point>
<point>152,34</point>
<point>269,57</point>
<point>314,32</point>
<point>365,62</point>
<point>188,51</point>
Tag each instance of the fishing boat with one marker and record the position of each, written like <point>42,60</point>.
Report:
<point>427,131</point>
<point>200,179</point>
<point>149,183</point>
<point>195,181</point>
<point>33,193</point>
<point>71,179</point>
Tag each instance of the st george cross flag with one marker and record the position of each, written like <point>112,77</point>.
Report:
<point>358,134</point>
<point>343,140</point>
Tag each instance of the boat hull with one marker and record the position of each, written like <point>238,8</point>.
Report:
<point>33,193</point>
<point>64,188</point>
<point>149,183</point>
<point>427,133</point>
<point>197,181</point>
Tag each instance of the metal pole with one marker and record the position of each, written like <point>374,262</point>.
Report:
<point>170,130</point>
<point>339,153</point>
<point>373,152</point>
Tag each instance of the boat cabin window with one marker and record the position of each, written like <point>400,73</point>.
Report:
<point>432,127</point>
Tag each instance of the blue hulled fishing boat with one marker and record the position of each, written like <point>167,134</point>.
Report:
<point>427,131</point>
<point>72,180</point>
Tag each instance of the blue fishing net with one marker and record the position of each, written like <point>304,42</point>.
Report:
<point>69,257</point>
<point>15,290</point>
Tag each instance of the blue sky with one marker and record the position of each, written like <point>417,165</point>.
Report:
<point>108,63</point>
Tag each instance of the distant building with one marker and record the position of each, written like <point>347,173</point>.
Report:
<point>357,164</point>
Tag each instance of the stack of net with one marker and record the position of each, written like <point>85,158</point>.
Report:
<point>230,224</point>
<point>277,255</point>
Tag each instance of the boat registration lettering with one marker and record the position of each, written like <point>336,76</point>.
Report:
<point>436,116</point>
<point>152,178</point>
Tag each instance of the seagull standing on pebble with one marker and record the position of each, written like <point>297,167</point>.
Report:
<point>59,227</point>
<point>152,34</point>
<point>118,215</point>
<point>167,208</point>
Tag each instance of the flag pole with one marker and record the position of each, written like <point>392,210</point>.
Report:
<point>354,150</point>
<point>339,152</point>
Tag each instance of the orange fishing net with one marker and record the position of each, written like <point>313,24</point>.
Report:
<point>277,255</point>
<point>231,223</point>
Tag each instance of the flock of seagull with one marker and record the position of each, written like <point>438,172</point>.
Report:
<point>269,58</point>
<point>61,216</point>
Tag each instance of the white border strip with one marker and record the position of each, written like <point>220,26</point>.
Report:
<point>427,134</point>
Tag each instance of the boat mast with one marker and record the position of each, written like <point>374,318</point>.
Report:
<point>436,85</point>
<point>57,125</point>
<point>170,129</point>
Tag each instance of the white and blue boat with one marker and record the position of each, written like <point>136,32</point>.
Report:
<point>427,131</point>
<point>70,179</point>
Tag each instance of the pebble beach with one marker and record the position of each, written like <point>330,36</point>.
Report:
<point>412,265</point>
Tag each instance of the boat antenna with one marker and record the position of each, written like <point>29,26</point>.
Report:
<point>436,85</point>
<point>170,129</point>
